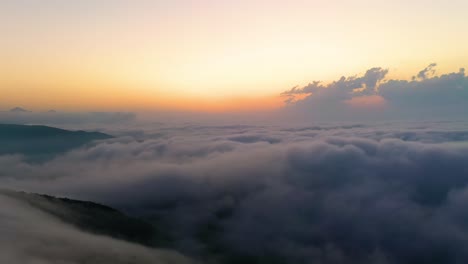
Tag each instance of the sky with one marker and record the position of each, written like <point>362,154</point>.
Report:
<point>213,56</point>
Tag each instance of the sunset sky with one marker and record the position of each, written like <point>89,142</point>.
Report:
<point>212,55</point>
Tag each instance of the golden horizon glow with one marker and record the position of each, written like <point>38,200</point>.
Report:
<point>212,55</point>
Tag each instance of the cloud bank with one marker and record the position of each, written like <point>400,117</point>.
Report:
<point>426,96</point>
<point>340,193</point>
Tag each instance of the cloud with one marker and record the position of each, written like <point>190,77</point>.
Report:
<point>441,96</point>
<point>426,72</point>
<point>343,193</point>
<point>342,89</point>
<point>372,97</point>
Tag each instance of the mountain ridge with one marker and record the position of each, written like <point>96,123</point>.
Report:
<point>38,142</point>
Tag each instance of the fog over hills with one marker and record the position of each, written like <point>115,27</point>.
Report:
<point>313,193</point>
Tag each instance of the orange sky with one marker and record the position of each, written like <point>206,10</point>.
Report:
<point>211,55</point>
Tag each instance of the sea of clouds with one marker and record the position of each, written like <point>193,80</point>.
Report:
<point>393,192</point>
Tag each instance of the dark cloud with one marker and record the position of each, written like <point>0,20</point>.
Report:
<point>426,72</point>
<point>339,193</point>
<point>372,97</point>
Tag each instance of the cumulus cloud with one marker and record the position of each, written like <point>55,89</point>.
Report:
<point>338,193</point>
<point>343,88</point>
<point>426,96</point>
<point>442,96</point>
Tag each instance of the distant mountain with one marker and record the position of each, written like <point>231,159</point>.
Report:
<point>42,142</point>
<point>19,110</point>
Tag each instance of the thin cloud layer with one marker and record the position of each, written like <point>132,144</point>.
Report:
<point>342,193</point>
<point>426,96</point>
